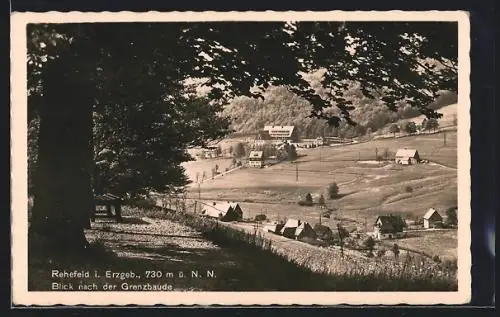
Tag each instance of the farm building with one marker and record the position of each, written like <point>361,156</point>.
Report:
<point>256,159</point>
<point>388,227</point>
<point>282,132</point>
<point>262,138</point>
<point>320,141</point>
<point>431,218</point>
<point>211,152</point>
<point>304,230</point>
<point>223,211</point>
<point>273,227</point>
<point>407,156</point>
<point>289,228</point>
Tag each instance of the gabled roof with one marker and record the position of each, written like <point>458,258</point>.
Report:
<point>303,227</point>
<point>219,209</point>
<point>256,154</point>
<point>280,130</point>
<point>391,223</point>
<point>431,212</point>
<point>406,153</point>
<point>292,223</point>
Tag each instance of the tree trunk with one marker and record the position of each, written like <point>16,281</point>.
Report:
<point>63,202</point>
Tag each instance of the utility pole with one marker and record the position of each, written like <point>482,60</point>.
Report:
<point>359,156</point>
<point>376,154</point>
<point>444,138</point>
<point>195,202</point>
<point>199,191</point>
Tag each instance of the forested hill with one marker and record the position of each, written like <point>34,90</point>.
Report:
<point>281,107</point>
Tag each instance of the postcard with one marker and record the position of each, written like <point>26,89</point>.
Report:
<point>240,158</point>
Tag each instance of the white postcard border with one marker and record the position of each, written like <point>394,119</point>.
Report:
<point>19,229</point>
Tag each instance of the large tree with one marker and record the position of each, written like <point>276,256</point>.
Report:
<point>79,74</point>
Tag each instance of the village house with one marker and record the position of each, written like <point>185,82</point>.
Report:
<point>256,159</point>
<point>223,211</point>
<point>304,230</point>
<point>273,227</point>
<point>210,152</point>
<point>289,228</point>
<point>388,227</point>
<point>407,156</point>
<point>282,133</point>
<point>432,218</point>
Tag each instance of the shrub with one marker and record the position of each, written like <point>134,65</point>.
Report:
<point>304,203</point>
<point>333,190</point>
<point>380,253</point>
<point>436,259</point>
<point>369,243</point>
<point>323,232</point>
<point>309,199</point>
<point>408,189</point>
<point>451,216</point>
<point>260,217</point>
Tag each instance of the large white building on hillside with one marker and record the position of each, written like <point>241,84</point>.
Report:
<point>282,132</point>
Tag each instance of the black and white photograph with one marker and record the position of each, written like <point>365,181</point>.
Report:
<point>276,157</point>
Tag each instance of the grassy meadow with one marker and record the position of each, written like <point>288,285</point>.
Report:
<point>366,188</point>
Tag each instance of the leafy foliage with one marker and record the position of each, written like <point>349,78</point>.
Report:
<point>410,127</point>
<point>333,190</point>
<point>131,82</point>
<point>240,150</point>
<point>451,216</point>
<point>394,128</point>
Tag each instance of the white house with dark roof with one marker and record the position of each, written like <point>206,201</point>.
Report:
<point>289,228</point>
<point>256,159</point>
<point>223,211</point>
<point>407,156</point>
<point>431,218</point>
<point>282,132</point>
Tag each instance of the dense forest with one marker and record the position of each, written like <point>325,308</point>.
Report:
<point>283,107</point>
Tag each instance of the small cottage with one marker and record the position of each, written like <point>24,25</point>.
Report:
<point>407,157</point>
<point>223,211</point>
<point>388,227</point>
<point>273,227</point>
<point>256,159</point>
<point>431,218</point>
<point>304,230</point>
<point>289,228</point>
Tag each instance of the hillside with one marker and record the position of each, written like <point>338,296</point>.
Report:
<point>282,107</point>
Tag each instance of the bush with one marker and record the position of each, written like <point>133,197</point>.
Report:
<point>323,232</point>
<point>380,253</point>
<point>260,217</point>
<point>333,190</point>
<point>408,189</point>
<point>436,259</point>
<point>309,199</point>
<point>305,203</point>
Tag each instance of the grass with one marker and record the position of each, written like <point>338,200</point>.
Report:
<point>440,243</point>
<point>244,261</point>
<point>366,189</point>
<point>322,269</point>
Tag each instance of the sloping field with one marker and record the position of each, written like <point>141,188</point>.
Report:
<point>367,188</point>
